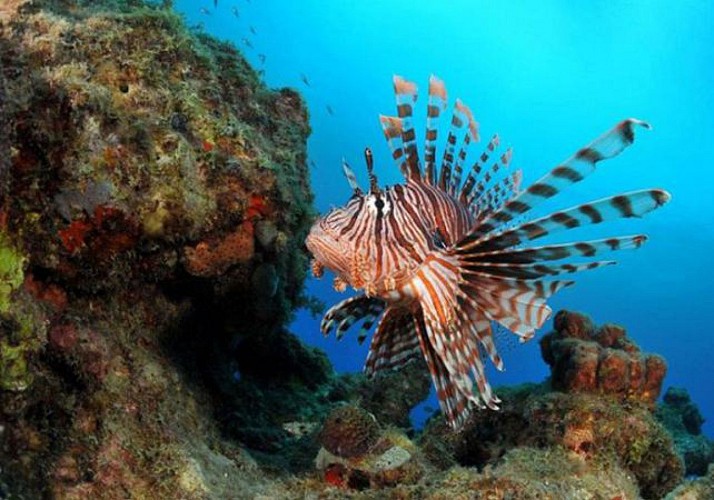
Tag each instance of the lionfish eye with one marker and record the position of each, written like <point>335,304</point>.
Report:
<point>438,239</point>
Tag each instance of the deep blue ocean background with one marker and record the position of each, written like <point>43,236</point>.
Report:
<point>548,76</point>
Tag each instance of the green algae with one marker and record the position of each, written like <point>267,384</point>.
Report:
<point>14,374</point>
<point>11,271</point>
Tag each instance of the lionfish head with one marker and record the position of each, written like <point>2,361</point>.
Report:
<point>331,240</point>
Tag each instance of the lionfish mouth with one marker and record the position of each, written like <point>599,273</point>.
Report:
<point>442,256</point>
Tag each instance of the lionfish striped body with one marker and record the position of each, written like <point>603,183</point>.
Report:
<point>439,258</point>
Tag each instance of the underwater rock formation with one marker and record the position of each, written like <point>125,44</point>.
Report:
<point>701,488</point>
<point>599,431</point>
<point>154,200</point>
<point>603,360</point>
<point>391,396</point>
<point>683,421</point>
<point>597,406</point>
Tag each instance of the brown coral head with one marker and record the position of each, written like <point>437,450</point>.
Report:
<point>349,432</point>
<point>574,324</point>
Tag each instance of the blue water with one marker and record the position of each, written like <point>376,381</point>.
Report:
<point>548,76</point>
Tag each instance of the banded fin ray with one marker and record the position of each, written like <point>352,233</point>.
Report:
<point>519,305</point>
<point>573,170</point>
<point>532,255</point>
<point>531,271</point>
<point>453,402</point>
<point>392,128</point>
<point>348,312</point>
<point>498,195</point>
<point>406,94</point>
<point>461,116</point>
<point>351,177</point>
<point>394,343</point>
<point>478,198</point>
<point>633,204</point>
<point>475,172</point>
<point>436,104</point>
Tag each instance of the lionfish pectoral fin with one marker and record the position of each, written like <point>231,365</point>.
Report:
<point>350,311</point>
<point>569,172</point>
<point>452,331</point>
<point>395,342</point>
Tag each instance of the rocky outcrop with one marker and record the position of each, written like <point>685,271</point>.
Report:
<point>154,199</point>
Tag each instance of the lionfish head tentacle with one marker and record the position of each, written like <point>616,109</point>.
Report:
<point>373,182</point>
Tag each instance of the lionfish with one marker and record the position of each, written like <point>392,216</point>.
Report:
<point>441,260</point>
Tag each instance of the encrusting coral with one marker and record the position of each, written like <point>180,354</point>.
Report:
<point>584,358</point>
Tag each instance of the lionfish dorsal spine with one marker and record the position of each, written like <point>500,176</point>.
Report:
<point>392,127</point>
<point>436,104</point>
<point>351,177</point>
<point>478,201</point>
<point>406,95</point>
<point>465,196</point>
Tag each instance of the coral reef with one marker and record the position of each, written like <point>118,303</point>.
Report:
<point>154,233</point>
<point>599,431</point>
<point>356,455</point>
<point>598,406</point>
<point>682,419</point>
<point>604,360</point>
<point>151,253</point>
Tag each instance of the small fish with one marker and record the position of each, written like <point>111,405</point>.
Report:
<point>235,11</point>
<point>330,110</point>
<point>303,78</point>
<point>439,259</point>
<point>215,4</point>
<point>252,30</point>
<point>261,57</point>
<point>204,11</point>
<point>299,429</point>
<point>247,43</point>
<point>312,164</point>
